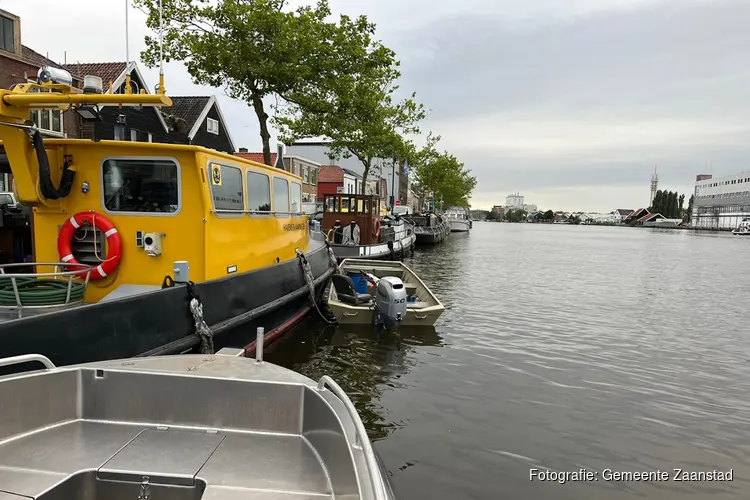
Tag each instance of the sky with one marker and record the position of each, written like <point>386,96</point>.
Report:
<point>571,103</point>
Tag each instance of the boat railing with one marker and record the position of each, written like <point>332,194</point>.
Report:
<point>43,290</point>
<point>362,441</point>
<point>27,358</point>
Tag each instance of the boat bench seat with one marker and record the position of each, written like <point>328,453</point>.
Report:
<point>346,292</point>
<point>417,305</point>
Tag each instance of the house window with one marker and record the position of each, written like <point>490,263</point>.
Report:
<point>306,175</point>
<point>226,188</point>
<point>7,34</point>
<point>296,198</point>
<point>213,126</point>
<point>139,185</point>
<point>47,119</point>
<point>119,133</point>
<point>133,135</point>
<point>313,176</point>
<point>150,137</point>
<point>280,196</point>
<point>258,192</point>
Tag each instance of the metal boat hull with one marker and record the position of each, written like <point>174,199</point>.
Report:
<point>459,226</point>
<point>377,251</point>
<point>160,322</point>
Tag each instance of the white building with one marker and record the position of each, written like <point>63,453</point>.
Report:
<point>721,202</point>
<point>514,201</point>
<point>529,209</point>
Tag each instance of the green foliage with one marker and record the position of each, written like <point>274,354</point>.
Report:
<point>515,215</point>
<point>688,215</point>
<point>353,103</point>
<point>440,175</point>
<point>668,203</point>
<point>253,48</point>
<point>549,215</point>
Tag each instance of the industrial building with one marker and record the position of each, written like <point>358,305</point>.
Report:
<point>721,202</point>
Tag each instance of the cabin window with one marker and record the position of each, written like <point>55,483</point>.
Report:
<point>141,185</point>
<point>296,198</point>
<point>361,206</point>
<point>8,34</point>
<point>47,119</point>
<point>280,195</point>
<point>367,207</point>
<point>330,203</point>
<point>226,188</point>
<point>258,192</point>
<point>213,126</point>
<point>345,205</point>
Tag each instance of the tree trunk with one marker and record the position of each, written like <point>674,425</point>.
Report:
<point>366,163</point>
<point>263,122</point>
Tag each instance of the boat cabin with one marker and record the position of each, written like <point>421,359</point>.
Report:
<point>130,210</point>
<point>364,209</point>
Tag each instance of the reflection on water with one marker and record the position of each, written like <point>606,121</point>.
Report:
<point>561,347</point>
<point>364,361</point>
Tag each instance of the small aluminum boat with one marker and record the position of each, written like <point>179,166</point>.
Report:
<point>192,427</point>
<point>387,292</point>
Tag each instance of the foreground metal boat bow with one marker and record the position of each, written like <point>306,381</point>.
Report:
<point>182,427</point>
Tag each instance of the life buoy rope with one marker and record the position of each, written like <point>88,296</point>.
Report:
<point>376,228</point>
<point>114,243</point>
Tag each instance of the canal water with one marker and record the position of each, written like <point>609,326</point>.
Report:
<point>561,348</point>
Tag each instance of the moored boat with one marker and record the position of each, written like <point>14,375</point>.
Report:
<point>743,229</point>
<point>381,292</point>
<point>375,237</point>
<point>182,428</point>
<point>158,248</point>
<point>430,229</point>
<point>459,219</point>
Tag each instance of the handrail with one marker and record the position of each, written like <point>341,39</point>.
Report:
<point>378,489</point>
<point>27,358</point>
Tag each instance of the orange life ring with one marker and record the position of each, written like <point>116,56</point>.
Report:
<point>376,227</point>
<point>114,243</point>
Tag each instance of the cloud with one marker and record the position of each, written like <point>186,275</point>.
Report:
<point>566,100</point>
<point>589,98</point>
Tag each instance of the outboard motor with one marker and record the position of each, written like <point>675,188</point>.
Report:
<point>390,301</point>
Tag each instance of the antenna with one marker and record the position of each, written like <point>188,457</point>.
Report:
<point>161,49</point>
<point>127,44</point>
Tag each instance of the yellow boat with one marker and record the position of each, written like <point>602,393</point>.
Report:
<point>143,248</point>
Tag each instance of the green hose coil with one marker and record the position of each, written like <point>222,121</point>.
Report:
<point>39,292</point>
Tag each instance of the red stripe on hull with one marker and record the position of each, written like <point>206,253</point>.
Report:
<point>277,332</point>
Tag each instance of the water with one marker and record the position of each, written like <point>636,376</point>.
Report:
<point>561,348</point>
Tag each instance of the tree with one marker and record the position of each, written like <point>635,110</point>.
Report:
<point>681,203</point>
<point>656,204</point>
<point>353,104</point>
<point>688,217</point>
<point>254,48</point>
<point>549,215</point>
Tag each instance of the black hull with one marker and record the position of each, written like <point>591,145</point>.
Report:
<point>431,236</point>
<point>160,322</point>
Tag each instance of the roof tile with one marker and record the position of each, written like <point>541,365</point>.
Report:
<point>188,108</point>
<point>107,71</point>
<point>330,174</point>
<point>256,157</point>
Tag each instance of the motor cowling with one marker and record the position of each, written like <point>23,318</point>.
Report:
<point>391,300</point>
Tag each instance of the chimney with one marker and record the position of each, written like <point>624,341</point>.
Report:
<point>242,150</point>
<point>280,156</point>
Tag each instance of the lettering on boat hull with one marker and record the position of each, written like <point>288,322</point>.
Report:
<point>295,227</point>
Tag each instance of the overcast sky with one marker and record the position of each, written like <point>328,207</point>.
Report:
<point>569,102</point>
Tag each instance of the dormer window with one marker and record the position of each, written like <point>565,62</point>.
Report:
<point>213,126</point>
<point>7,34</point>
